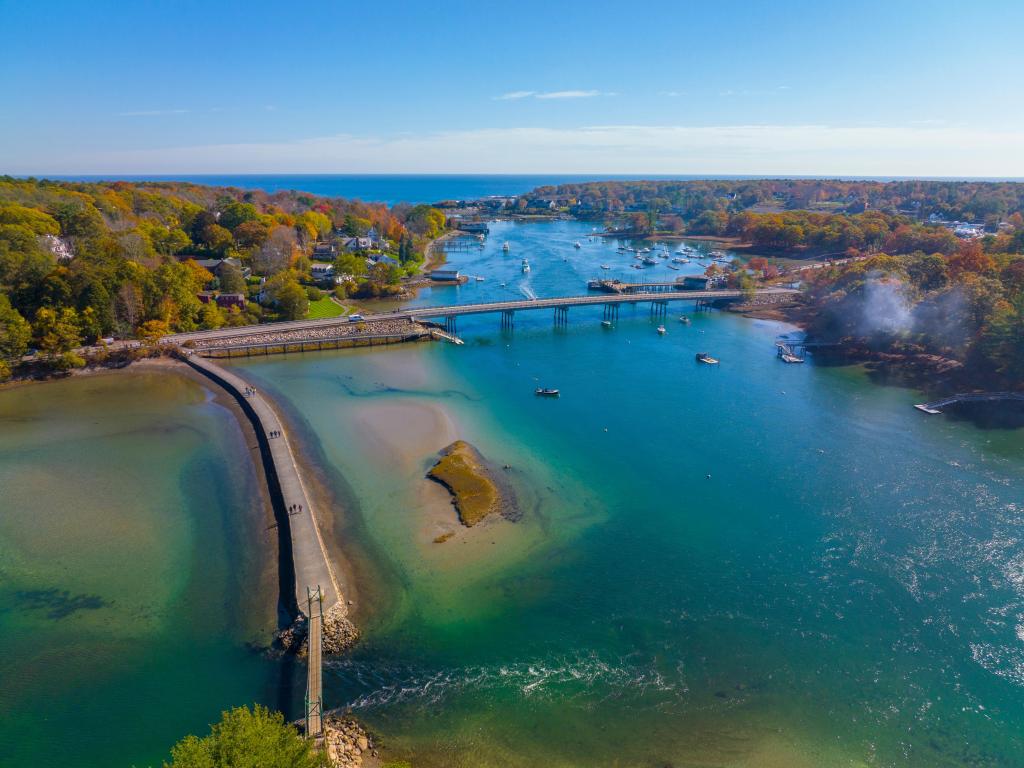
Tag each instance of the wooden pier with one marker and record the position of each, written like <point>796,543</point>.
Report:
<point>936,406</point>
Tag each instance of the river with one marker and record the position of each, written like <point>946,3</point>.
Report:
<point>749,564</point>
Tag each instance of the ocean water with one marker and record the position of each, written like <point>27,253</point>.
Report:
<point>410,188</point>
<point>748,564</point>
<point>376,188</point>
<point>132,562</point>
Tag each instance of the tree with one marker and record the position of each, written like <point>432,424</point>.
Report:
<point>293,301</point>
<point>152,331</point>
<point>231,280</point>
<point>244,738</point>
<point>276,253</point>
<point>211,316</point>
<point>15,333</point>
<point>251,234</point>
<point>58,332</point>
<point>233,214</point>
<point>350,264</point>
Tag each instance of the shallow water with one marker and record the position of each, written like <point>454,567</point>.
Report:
<point>131,562</point>
<point>749,564</point>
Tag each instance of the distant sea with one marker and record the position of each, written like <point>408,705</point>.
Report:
<point>413,188</point>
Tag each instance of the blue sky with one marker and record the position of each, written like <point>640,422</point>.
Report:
<point>865,88</point>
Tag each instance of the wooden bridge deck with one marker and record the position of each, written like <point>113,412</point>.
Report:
<point>457,310</point>
<point>936,406</point>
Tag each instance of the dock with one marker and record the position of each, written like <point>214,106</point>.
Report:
<point>936,406</point>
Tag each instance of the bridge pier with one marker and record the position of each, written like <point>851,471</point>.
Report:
<point>449,324</point>
<point>561,316</point>
<point>659,308</point>
<point>611,312</point>
<point>508,319</point>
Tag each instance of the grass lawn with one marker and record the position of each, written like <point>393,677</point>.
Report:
<point>323,308</point>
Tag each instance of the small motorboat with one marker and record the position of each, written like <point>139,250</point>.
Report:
<point>787,358</point>
<point>480,278</point>
<point>544,392</point>
<point>672,266</point>
<point>704,357</point>
<point>661,330</point>
<point>649,261</point>
<point>577,245</point>
<point>681,261</point>
<point>684,320</point>
<point>605,266</point>
<point>606,323</point>
<point>526,265</point>
<point>506,247</point>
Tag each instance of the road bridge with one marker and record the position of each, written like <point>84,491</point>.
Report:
<point>449,312</point>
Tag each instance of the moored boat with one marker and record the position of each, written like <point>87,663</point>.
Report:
<point>577,245</point>
<point>661,330</point>
<point>788,358</point>
<point>526,265</point>
<point>606,323</point>
<point>605,266</point>
<point>704,357</point>
<point>545,392</point>
<point>684,320</point>
<point>506,247</point>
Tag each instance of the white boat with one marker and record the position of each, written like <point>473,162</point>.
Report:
<point>681,261</point>
<point>684,320</point>
<point>606,323</point>
<point>526,266</point>
<point>577,244</point>
<point>661,330</point>
<point>506,247</point>
<point>479,279</point>
<point>605,266</point>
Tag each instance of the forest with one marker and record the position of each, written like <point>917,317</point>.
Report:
<point>86,261</point>
<point>980,201</point>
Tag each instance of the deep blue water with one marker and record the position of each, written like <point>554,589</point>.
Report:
<point>410,188</point>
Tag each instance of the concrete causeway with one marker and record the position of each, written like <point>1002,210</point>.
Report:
<point>307,559</point>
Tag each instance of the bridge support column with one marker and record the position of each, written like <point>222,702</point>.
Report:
<point>449,324</point>
<point>659,308</point>
<point>508,319</point>
<point>611,312</point>
<point>561,316</point>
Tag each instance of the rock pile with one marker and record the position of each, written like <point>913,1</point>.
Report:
<point>338,633</point>
<point>344,329</point>
<point>347,743</point>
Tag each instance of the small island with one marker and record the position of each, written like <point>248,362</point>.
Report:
<point>463,471</point>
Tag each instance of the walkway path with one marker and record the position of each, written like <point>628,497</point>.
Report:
<point>309,553</point>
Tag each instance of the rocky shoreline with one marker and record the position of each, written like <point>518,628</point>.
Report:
<point>347,743</point>
<point>341,330</point>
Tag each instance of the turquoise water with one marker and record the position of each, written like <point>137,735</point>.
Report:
<point>133,571</point>
<point>749,564</point>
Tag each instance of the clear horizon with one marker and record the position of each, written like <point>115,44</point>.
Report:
<point>781,90</point>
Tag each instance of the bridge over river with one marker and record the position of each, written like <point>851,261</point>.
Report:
<point>507,309</point>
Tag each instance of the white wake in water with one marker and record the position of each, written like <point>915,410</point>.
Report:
<point>562,679</point>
